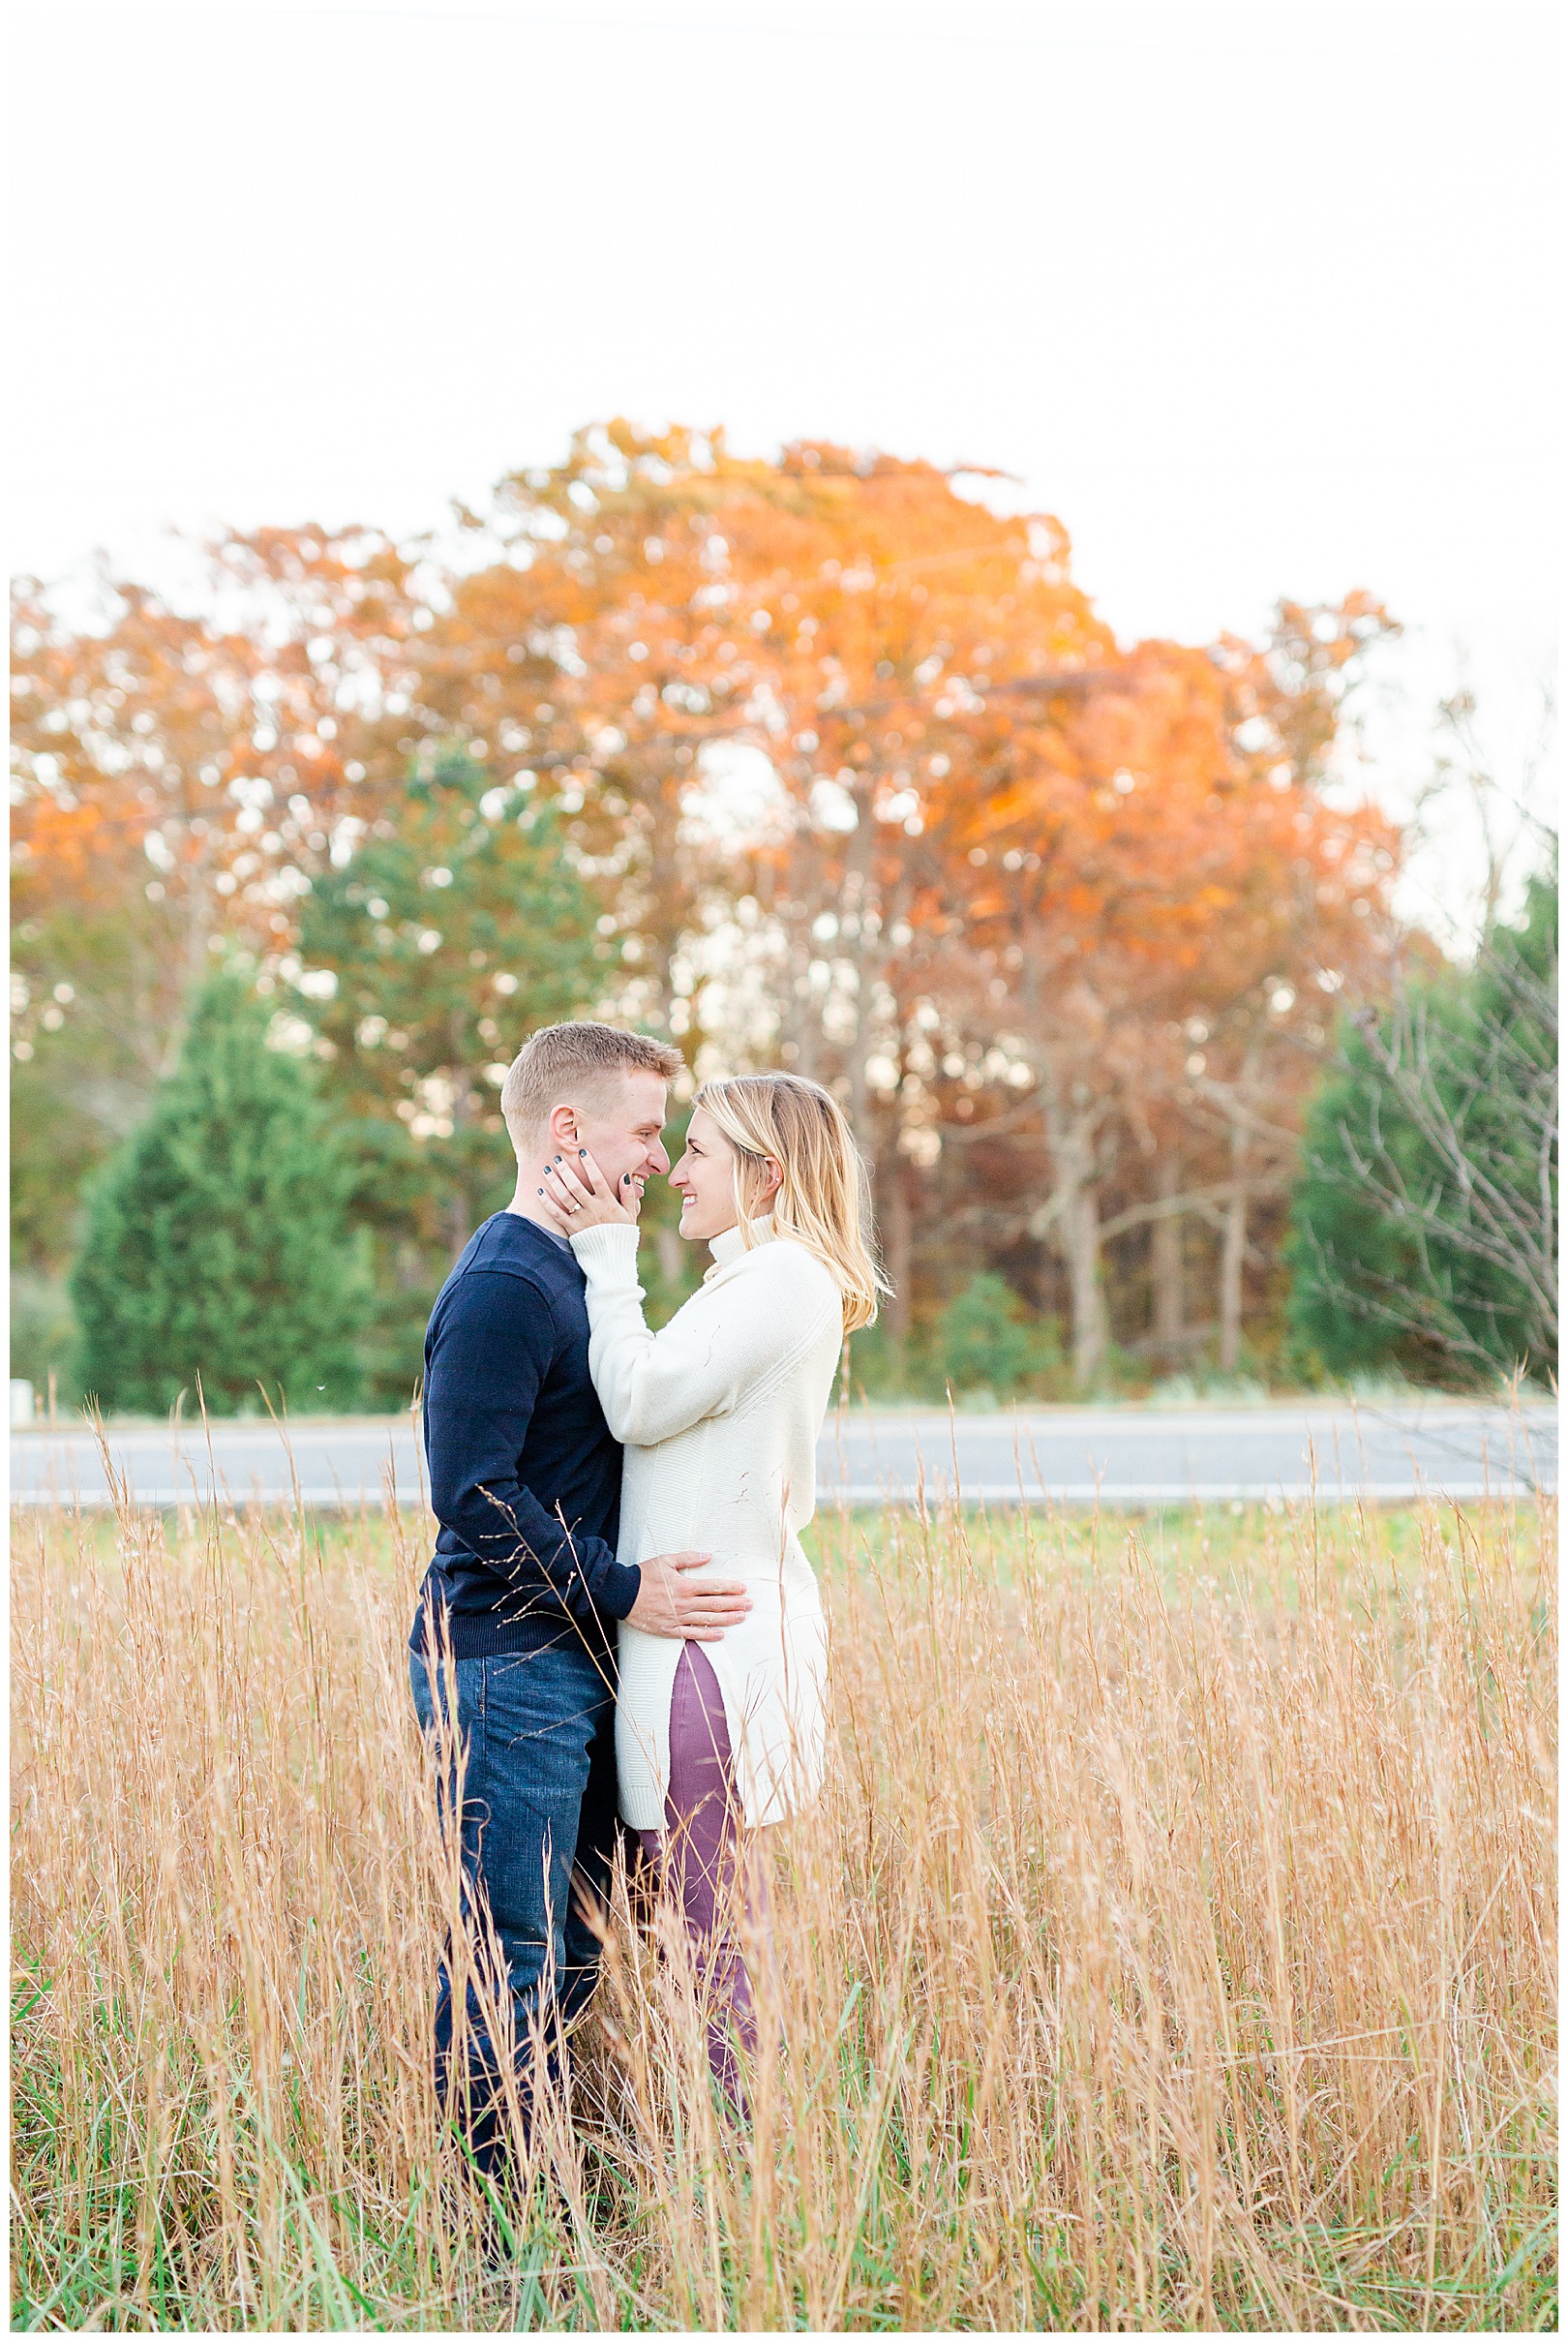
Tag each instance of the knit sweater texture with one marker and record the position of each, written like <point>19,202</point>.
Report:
<point>719,1413</point>
<point>525,1476</point>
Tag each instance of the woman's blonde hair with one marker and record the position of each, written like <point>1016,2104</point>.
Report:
<point>824,1200</point>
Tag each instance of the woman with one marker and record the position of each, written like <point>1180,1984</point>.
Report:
<point>720,1415</point>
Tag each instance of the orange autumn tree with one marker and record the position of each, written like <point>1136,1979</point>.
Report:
<point>177,776</point>
<point>1134,878</point>
<point>861,784</point>
<point>121,835</point>
<point>217,746</point>
<point>920,675</point>
<point>658,598</point>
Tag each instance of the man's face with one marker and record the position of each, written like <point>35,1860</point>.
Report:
<point>619,1125</point>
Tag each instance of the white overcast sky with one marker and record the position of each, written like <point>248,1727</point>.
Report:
<point>1258,298</point>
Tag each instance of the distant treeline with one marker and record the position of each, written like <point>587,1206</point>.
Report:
<point>813,762</point>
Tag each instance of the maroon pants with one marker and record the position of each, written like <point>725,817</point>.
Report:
<point>698,1856</point>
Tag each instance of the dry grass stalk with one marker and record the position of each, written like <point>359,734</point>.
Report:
<point>1174,1945</point>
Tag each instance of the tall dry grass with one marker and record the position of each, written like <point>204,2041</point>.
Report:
<point>1174,1945</point>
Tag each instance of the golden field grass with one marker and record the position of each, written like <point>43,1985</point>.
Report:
<point>1174,1945</point>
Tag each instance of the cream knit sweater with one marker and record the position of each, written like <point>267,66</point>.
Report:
<point>720,1415</point>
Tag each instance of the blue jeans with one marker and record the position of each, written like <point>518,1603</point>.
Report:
<point>538,1830</point>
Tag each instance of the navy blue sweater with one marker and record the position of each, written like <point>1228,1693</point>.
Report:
<point>525,1477</point>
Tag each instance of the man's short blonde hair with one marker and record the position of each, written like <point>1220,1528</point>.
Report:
<point>572,1065</point>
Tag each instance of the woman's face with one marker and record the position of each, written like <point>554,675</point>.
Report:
<point>705,1180</point>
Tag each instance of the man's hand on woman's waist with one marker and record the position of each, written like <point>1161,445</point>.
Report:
<point>668,1603</point>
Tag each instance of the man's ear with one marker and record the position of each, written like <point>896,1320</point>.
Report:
<point>561,1127</point>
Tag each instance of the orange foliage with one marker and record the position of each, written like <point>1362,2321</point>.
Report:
<point>997,875</point>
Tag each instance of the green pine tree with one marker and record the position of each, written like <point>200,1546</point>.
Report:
<point>986,1340</point>
<point>1424,1227</point>
<point>216,1243</point>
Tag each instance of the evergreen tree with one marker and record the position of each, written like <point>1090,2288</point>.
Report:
<point>1424,1228</point>
<point>986,1341</point>
<point>217,1243</point>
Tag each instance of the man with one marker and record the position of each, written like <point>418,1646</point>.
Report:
<point>518,1607</point>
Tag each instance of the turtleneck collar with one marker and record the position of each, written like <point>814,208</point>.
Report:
<point>728,1248</point>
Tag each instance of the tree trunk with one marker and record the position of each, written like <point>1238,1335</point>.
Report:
<point>806,1034</point>
<point>802,1018</point>
<point>1073,1217</point>
<point>898,1248</point>
<point>1233,1243</point>
<point>860,1087</point>
<point>1165,1262</point>
<point>859,902</point>
<point>199,918</point>
<point>1232,1253</point>
<point>1091,1326</point>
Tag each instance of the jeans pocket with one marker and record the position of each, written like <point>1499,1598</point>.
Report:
<point>543,1713</point>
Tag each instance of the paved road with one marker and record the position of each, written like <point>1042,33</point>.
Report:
<point>1124,1455</point>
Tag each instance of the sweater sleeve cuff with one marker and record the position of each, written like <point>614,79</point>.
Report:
<point>621,1584</point>
<point>609,1251</point>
